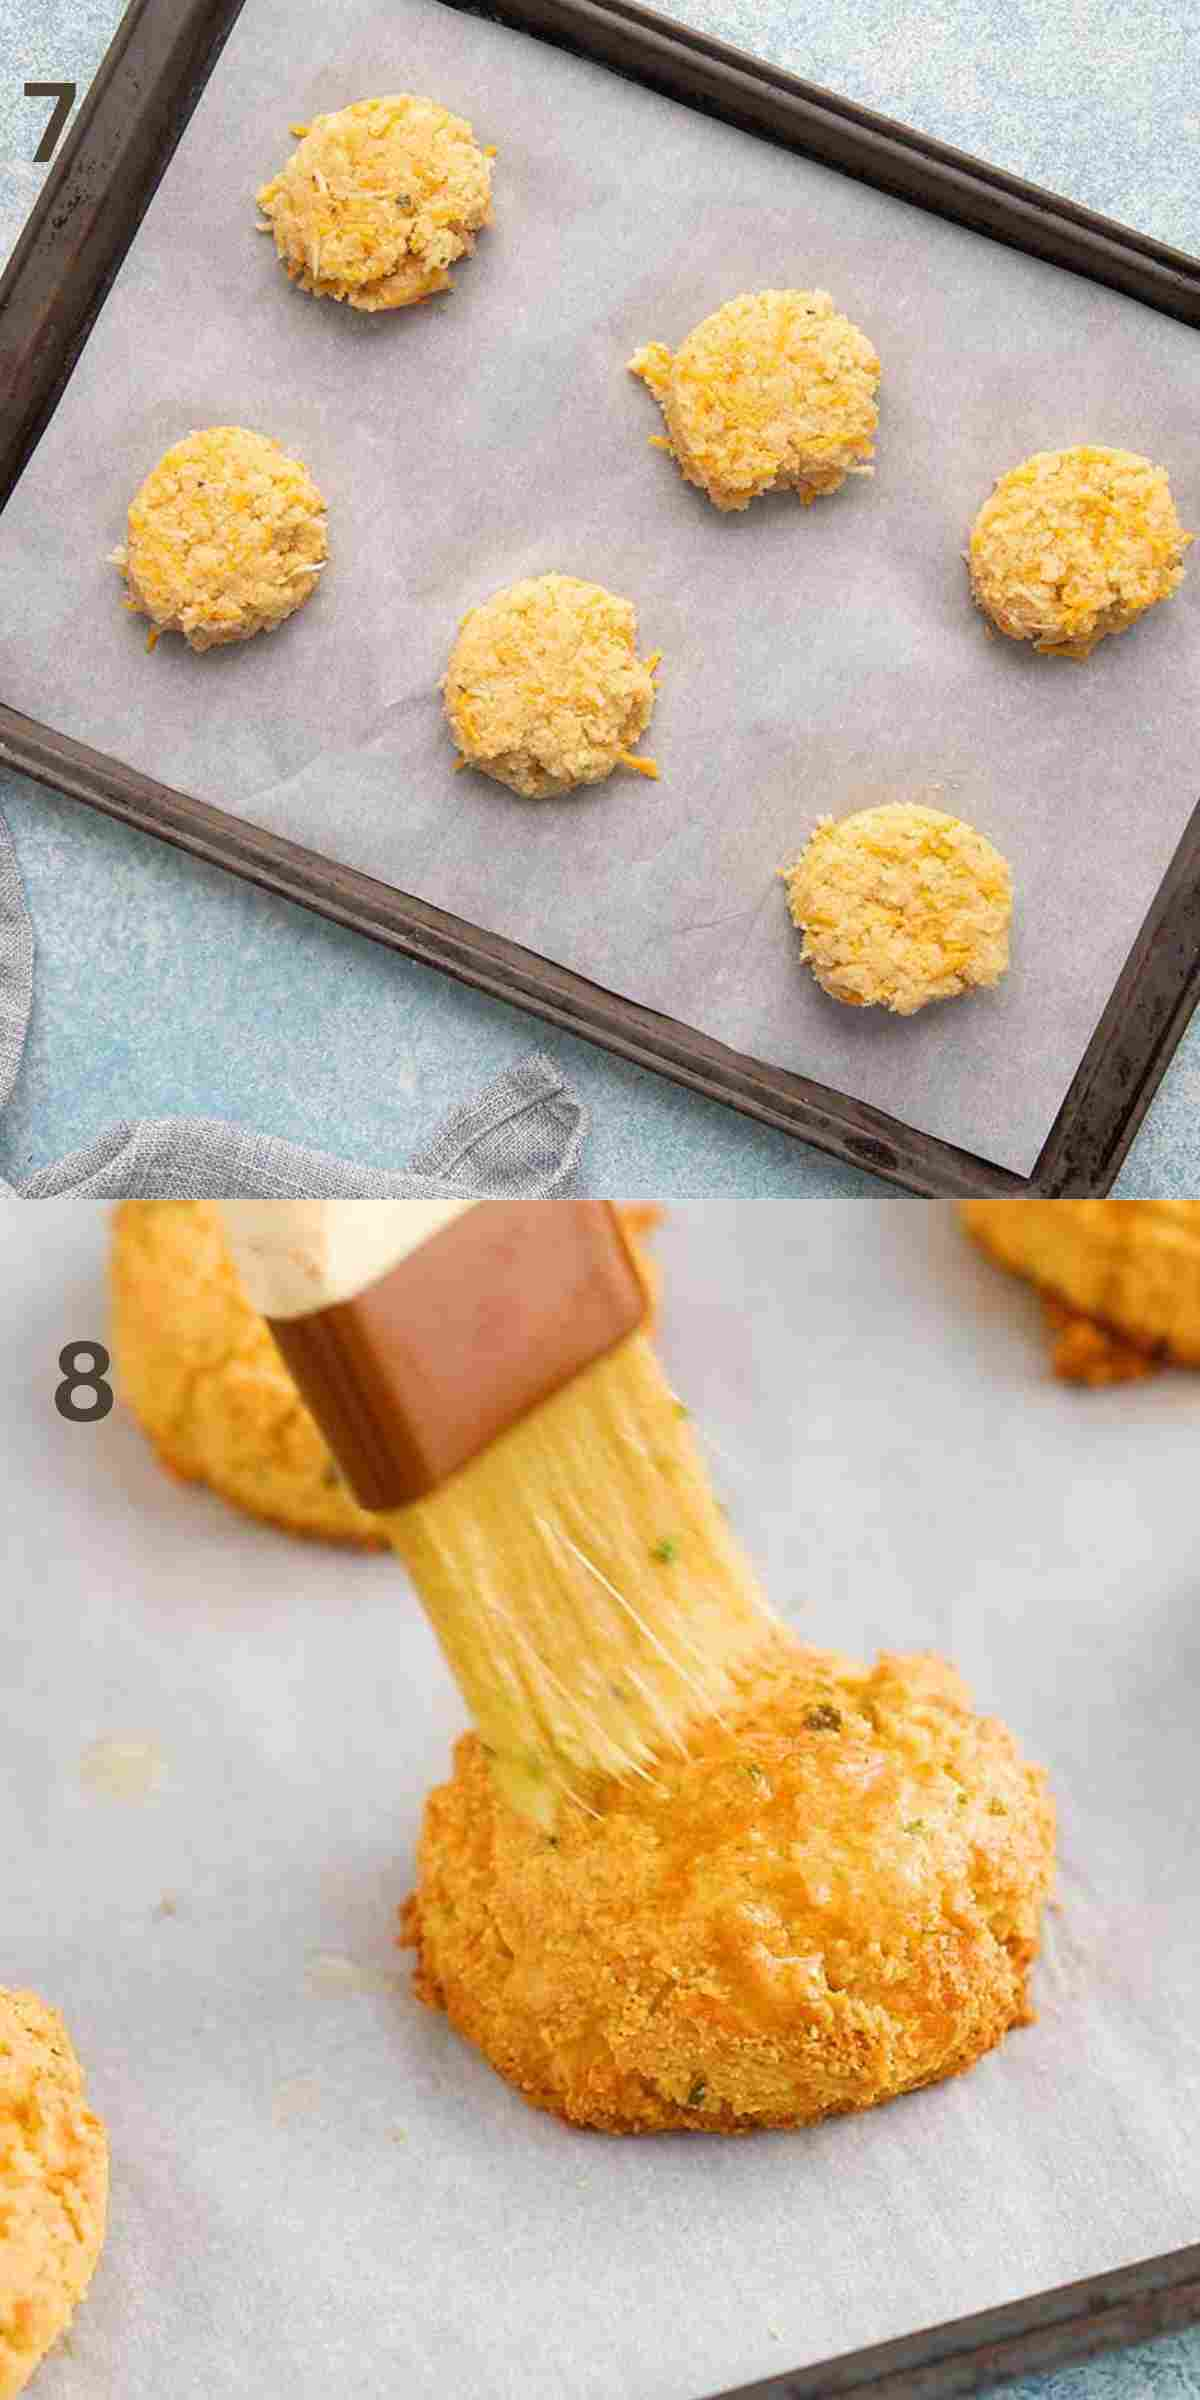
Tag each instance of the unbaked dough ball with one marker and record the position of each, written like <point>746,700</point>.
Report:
<point>775,388</point>
<point>545,689</point>
<point>226,538</point>
<point>900,905</point>
<point>200,1370</point>
<point>379,201</point>
<point>53,2185</point>
<point>834,1897</point>
<point>1073,545</point>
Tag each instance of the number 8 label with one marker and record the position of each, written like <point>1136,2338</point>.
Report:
<point>78,1377</point>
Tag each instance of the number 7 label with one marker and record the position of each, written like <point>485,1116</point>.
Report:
<point>63,96</point>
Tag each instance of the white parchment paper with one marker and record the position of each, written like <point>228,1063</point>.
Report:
<point>317,2187</point>
<point>814,660</point>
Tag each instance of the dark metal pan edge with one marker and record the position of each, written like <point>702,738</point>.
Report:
<point>1052,2329</point>
<point>1143,1022</point>
<point>92,203</point>
<point>893,128</point>
<point>848,1129</point>
<point>764,99</point>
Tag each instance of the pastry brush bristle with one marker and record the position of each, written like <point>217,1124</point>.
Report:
<point>584,1585</point>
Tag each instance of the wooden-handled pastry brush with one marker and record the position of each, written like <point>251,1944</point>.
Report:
<point>483,1379</point>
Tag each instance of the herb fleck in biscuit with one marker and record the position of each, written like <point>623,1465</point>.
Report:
<point>545,689</point>
<point>226,538</point>
<point>379,201</point>
<point>775,388</point>
<point>1073,545</point>
<point>53,2185</point>
<point>1120,1279</point>
<point>834,1898</point>
<point>208,1385</point>
<point>900,905</point>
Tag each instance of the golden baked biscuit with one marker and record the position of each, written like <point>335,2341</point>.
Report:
<point>202,1374</point>
<point>1120,1278</point>
<point>1083,1351</point>
<point>53,2185</point>
<point>775,389</point>
<point>1073,545</point>
<point>226,538</point>
<point>545,690</point>
<point>900,905</point>
<point>379,201</point>
<point>834,1898</point>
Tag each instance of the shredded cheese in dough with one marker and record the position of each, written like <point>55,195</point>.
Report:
<point>226,538</point>
<point>379,201</point>
<point>545,691</point>
<point>900,905</point>
<point>773,389</point>
<point>1073,545</point>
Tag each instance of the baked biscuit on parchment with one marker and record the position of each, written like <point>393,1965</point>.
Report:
<point>834,1898</point>
<point>1120,1279</point>
<point>53,2185</point>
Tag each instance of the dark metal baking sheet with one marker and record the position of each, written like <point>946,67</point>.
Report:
<point>1030,2337</point>
<point>72,247</point>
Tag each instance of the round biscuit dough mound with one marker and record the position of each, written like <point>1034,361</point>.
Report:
<point>835,1898</point>
<point>1073,545</point>
<point>545,690</point>
<point>379,201</point>
<point>900,905</point>
<point>774,389</point>
<point>226,538</point>
<point>53,2185</point>
<point>202,1373</point>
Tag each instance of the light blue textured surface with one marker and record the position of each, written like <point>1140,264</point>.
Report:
<point>162,986</point>
<point>165,986</point>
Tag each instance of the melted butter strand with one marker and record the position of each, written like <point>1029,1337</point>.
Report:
<point>584,1585</point>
